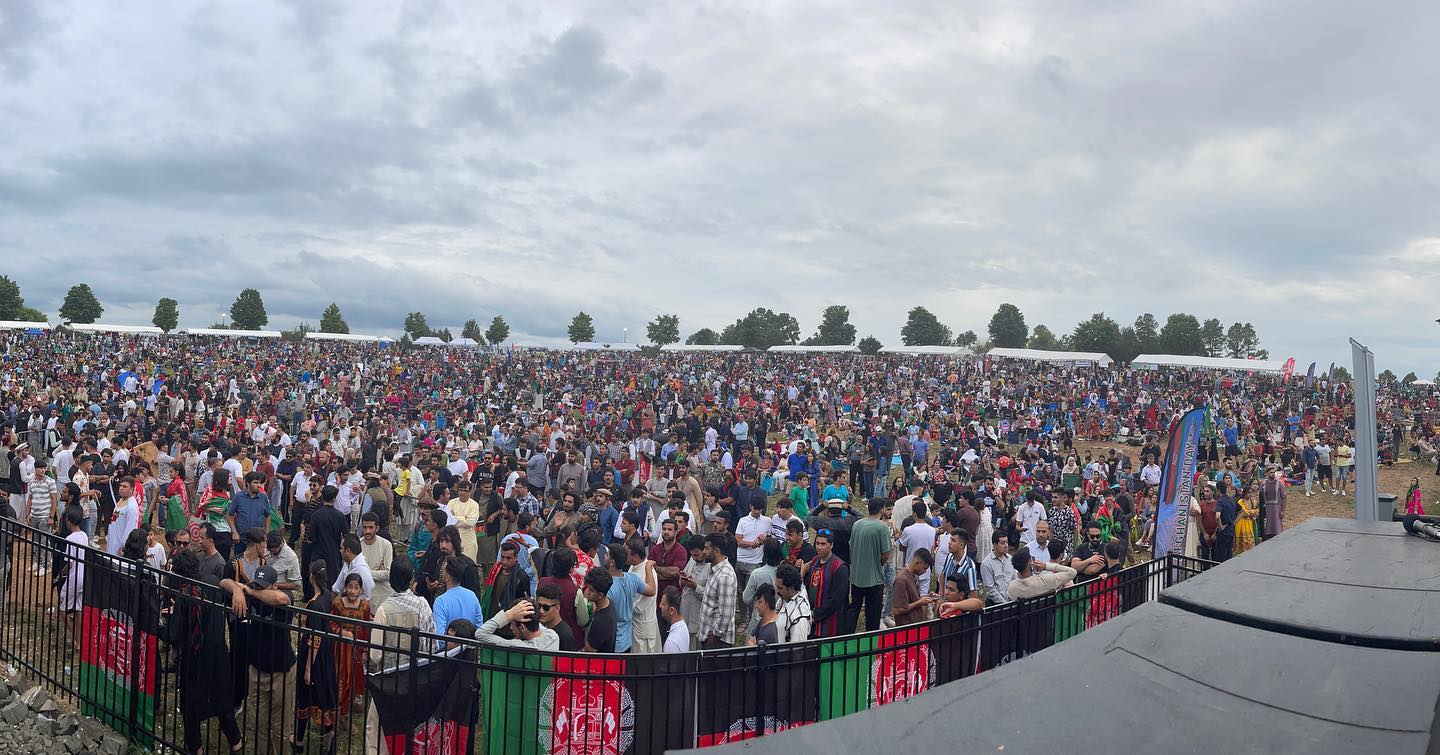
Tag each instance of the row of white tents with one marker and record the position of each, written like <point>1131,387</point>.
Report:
<point>1073,358</point>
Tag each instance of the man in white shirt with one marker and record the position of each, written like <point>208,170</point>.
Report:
<point>1039,545</point>
<point>354,563</point>
<point>379,555</point>
<point>1150,474</point>
<point>457,466</point>
<point>920,534</point>
<point>1027,515</point>
<point>750,534</point>
<point>677,639</point>
<point>125,519</point>
<point>64,460</point>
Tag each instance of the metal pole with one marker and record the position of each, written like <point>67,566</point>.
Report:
<point>1367,496</point>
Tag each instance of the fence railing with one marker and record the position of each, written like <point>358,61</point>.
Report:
<point>166,662</point>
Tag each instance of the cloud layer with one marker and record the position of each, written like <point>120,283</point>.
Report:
<point>1235,160</point>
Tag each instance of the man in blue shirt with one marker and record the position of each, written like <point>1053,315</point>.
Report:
<point>456,602</point>
<point>625,588</point>
<point>249,509</point>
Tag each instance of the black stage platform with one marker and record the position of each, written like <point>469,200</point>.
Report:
<point>1338,580</point>
<point>1245,671</point>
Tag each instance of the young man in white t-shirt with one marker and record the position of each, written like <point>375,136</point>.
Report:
<point>677,639</point>
<point>125,519</point>
<point>919,534</point>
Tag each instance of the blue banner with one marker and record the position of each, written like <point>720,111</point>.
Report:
<point>1176,480</point>
<point>1310,376</point>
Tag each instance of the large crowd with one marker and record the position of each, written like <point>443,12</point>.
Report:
<point>620,502</point>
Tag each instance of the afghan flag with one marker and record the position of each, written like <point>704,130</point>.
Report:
<point>758,692</point>
<point>119,627</point>
<point>544,704</point>
<point>860,672</point>
<point>428,709</point>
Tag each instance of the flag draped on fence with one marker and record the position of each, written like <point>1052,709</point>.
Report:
<point>428,709</point>
<point>119,627</point>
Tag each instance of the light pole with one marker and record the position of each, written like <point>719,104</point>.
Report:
<point>625,334</point>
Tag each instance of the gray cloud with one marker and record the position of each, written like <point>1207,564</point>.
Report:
<point>22,30</point>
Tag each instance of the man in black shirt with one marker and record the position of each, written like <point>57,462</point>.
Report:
<point>492,507</point>
<point>600,636</point>
<point>264,614</point>
<point>547,602</point>
<point>323,530</point>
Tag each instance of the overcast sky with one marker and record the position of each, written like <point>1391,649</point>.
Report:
<point>1269,162</point>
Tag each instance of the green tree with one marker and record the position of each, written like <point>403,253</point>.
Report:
<point>1241,342</point>
<point>498,331</point>
<point>31,314</point>
<point>967,340</point>
<point>1386,378</point>
<point>11,302</point>
<point>1147,334</point>
<point>1043,339</point>
<point>297,335</point>
<point>444,335</point>
<point>416,326</point>
<point>1341,374</point>
<point>663,330</point>
<point>1099,333</point>
<point>582,328</point>
<point>1181,335</point>
<point>331,321</point>
<point>1409,378</point>
<point>248,311</point>
<point>167,314</point>
<point>870,345</point>
<point>761,329</point>
<point>1007,327</point>
<point>835,328</point>
<point>1212,333</point>
<point>703,337</point>
<point>81,305</point>
<point>922,328</point>
<point>472,331</point>
<point>1129,346</point>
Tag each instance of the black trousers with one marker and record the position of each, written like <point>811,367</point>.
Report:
<point>194,732</point>
<point>1225,544</point>
<point>873,600</point>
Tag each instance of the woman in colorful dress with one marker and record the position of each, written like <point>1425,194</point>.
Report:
<point>349,656</point>
<point>1413,503</point>
<point>316,686</point>
<point>1249,501</point>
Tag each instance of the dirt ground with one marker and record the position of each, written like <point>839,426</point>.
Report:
<point>1394,480</point>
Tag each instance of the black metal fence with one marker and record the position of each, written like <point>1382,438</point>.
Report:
<point>160,659</point>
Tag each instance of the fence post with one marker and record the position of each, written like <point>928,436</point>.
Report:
<point>135,652</point>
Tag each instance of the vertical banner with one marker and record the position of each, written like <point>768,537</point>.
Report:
<point>1310,376</point>
<point>1367,495</point>
<point>759,692</point>
<point>119,627</point>
<point>1176,481</point>
<point>1288,370</point>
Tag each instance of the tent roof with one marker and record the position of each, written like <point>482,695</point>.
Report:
<point>352,337</point>
<point>700,347</point>
<point>429,341</point>
<point>1209,363</point>
<point>1041,355</point>
<point>801,349</point>
<point>22,325</point>
<point>1423,383</point>
<point>462,341</point>
<point>232,333</point>
<point>598,346</point>
<point>954,351</point>
<point>100,327</point>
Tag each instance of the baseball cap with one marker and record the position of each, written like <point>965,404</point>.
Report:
<point>265,577</point>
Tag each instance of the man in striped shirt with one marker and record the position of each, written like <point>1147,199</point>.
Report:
<point>43,499</point>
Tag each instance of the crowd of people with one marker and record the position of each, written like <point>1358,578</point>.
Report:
<point>618,502</point>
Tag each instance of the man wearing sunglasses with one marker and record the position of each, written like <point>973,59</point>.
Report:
<point>547,603</point>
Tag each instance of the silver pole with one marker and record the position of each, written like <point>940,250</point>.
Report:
<point>1367,496</point>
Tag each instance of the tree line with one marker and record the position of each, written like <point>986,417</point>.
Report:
<point>1182,333</point>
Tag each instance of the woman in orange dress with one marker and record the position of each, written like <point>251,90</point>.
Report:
<point>349,656</point>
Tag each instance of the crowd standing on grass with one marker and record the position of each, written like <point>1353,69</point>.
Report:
<point>625,502</point>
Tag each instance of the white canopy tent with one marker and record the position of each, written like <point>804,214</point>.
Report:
<point>23,325</point>
<point>950,351</point>
<point>1153,361</point>
<point>803,349</point>
<point>1066,357</point>
<point>469,343</point>
<point>1423,383</point>
<point>100,327</point>
<point>695,347</point>
<point>232,333</point>
<point>598,346</point>
<point>429,341</point>
<point>351,337</point>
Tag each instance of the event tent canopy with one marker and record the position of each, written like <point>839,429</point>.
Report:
<point>1423,383</point>
<point>695,347</point>
<point>98,327</point>
<point>802,348</point>
<point>598,346</point>
<point>22,325</point>
<point>462,341</point>
<point>1209,363</point>
<point>352,337</point>
<point>429,341</point>
<point>232,333</point>
<point>1041,355</point>
<point>953,351</point>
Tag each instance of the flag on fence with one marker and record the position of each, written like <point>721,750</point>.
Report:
<point>755,693</point>
<point>428,709</point>
<point>861,672</point>
<point>119,624</point>
<point>1176,483</point>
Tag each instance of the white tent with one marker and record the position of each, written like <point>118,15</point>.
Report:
<point>953,351</point>
<point>429,341</point>
<point>684,347</point>
<point>22,325</point>
<point>1423,383</point>
<point>97,327</point>
<point>1067,357</point>
<point>598,346</point>
<point>232,333</point>
<point>1153,361</point>
<point>351,337</point>
<point>803,349</point>
<point>466,342</point>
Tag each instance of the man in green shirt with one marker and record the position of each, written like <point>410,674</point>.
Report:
<point>870,542</point>
<point>800,495</point>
